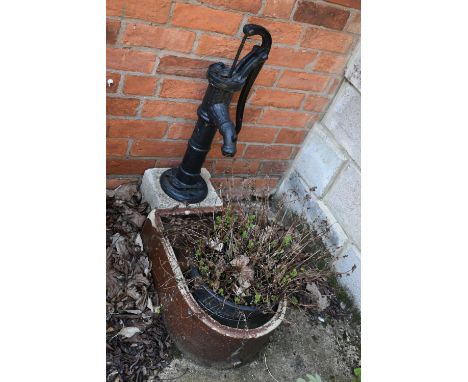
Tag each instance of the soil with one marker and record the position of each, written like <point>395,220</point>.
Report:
<point>301,345</point>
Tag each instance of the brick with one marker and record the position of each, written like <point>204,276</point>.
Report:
<point>284,118</point>
<point>151,10</point>
<point>159,37</point>
<point>327,40</point>
<point>334,86</point>
<point>215,151</point>
<point>322,15</point>
<point>124,128</point>
<point>280,9</point>
<point>115,77</point>
<point>277,98</point>
<point>180,131</point>
<point>199,17</point>
<point>125,59</point>
<point>267,77</point>
<point>273,167</point>
<point>252,6</point>
<point>281,32</point>
<point>354,24</point>
<point>152,148</point>
<point>128,166</point>
<point>182,66</point>
<point>182,89</point>
<point>220,46</point>
<point>250,114</point>
<point>267,152</point>
<point>330,63</point>
<point>210,165</point>
<point>303,81</point>
<point>291,58</point>
<point>244,188</point>
<point>116,146</point>
<point>236,166</point>
<point>287,136</point>
<point>121,106</point>
<point>156,108</point>
<point>316,103</point>
<point>112,30</point>
<point>113,183</point>
<point>140,85</point>
<point>347,3</point>
<point>257,134</point>
<point>162,163</point>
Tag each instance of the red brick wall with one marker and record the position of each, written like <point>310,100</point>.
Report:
<point>158,52</point>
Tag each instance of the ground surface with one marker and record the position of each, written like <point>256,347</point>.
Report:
<point>300,346</point>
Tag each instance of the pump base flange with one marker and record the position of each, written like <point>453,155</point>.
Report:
<point>186,193</point>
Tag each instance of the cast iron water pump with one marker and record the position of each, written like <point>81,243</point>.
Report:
<point>184,183</point>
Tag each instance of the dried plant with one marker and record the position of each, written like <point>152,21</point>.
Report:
<point>254,256</point>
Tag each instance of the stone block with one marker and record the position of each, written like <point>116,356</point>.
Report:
<point>344,200</point>
<point>319,160</point>
<point>299,199</point>
<point>353,69</point>
<point>350,257</point>
<point>343,120</point>
<point>157,199</point>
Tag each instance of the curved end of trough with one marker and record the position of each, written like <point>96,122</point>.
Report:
<point>196,334</point>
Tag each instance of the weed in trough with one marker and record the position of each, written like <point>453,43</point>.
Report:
<point>253,256</point>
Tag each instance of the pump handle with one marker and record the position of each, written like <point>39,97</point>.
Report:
<point>257,30</point>
<point>258,57</point>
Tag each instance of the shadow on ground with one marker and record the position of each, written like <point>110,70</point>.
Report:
<point>301,345</point>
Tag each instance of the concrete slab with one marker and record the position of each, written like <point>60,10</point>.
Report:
<point>299,199</point>
<point>351,257</point>
<point>344,201</point>
<point>319,160</point>
<point>157,199</point>
<point>343,120</point>
<point>299,346</point>
<point>353,69</point>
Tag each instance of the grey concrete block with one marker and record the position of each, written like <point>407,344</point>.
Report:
<point>319,160</point>
<point>353,69</point>
<point>348,259</point>
<point>344,200</point>
<point>298,198</point>
<point>343,120</point>
<point>157,199</point>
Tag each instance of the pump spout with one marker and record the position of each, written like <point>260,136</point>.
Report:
<point>219,116</point>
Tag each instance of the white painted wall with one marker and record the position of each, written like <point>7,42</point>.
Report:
<point>328,169</point>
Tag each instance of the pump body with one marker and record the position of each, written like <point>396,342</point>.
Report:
<point>184,183</point>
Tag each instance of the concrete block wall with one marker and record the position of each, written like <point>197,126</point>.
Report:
<point>327,173</point>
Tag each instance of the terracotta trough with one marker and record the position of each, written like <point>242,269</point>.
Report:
<point>197,335</point>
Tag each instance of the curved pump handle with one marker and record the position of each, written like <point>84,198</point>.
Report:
<point>254,62</point>
<point>257,30</point>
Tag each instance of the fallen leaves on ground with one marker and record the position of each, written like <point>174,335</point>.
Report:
<point>137,341</point>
